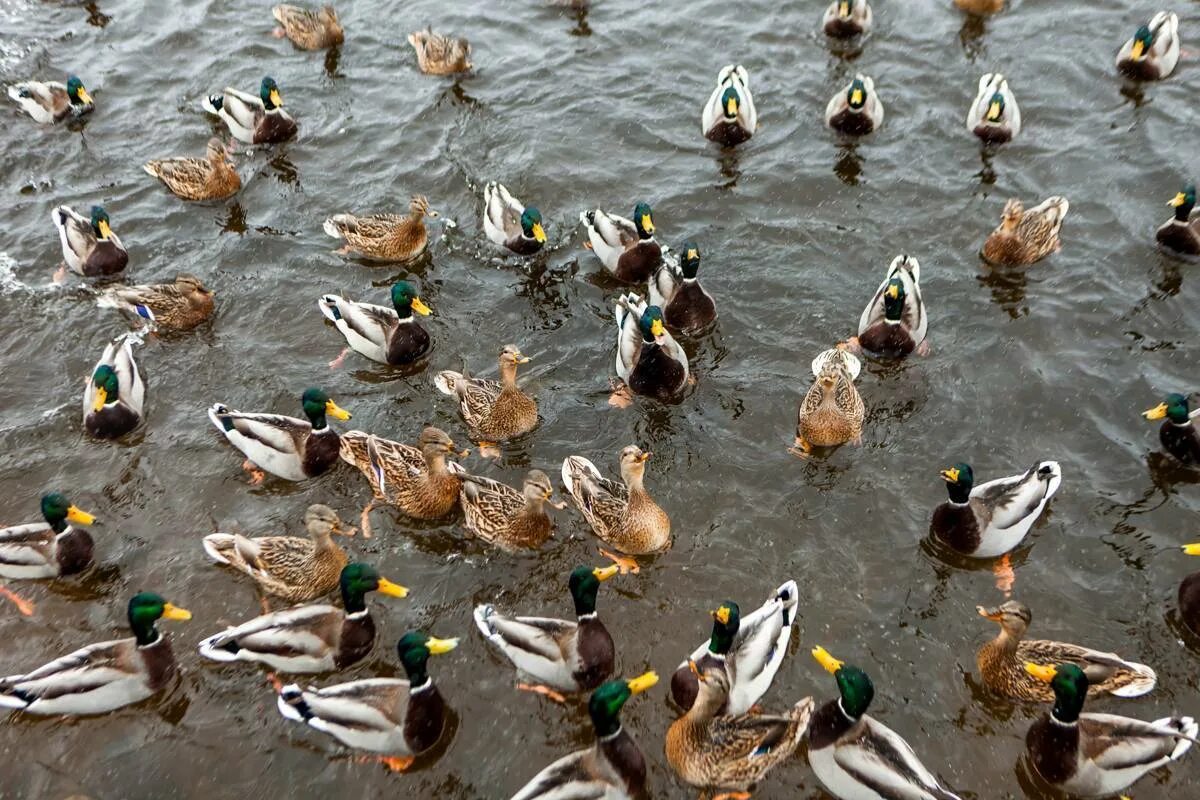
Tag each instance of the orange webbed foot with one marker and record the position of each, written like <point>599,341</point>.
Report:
<point>626,564</point>
<point>23,605</point>
<point>545,691</point>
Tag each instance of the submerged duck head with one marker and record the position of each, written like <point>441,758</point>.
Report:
<point>58,511</point>
<point>1174,407</point>
<point>76,93</point>
<point>727,620</point>
<point>643,220</point>
<point>959,481</point>
<point>406,300</point>
<point>107,386</point>
<point>268,92</point>
<point>584,583</point>
<point>531,225</point>
<point>604,706</point>
<point>893,299</point>
<point>317,404</point>
<point>1070,686</point>
<point>853,684</point>
<point>414,650</point>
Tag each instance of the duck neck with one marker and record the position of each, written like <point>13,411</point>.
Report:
<point>508,376</point>
<point>435,461</point>
<point>144,632</point>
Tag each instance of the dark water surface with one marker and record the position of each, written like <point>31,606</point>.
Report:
<point>572,112</point>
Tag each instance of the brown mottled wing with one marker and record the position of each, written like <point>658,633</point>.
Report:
<point>848,400</point>
<point>376,226</point>
<point>1099,667</point>
<point>183,176</point>
<point>1115,742</point>
<point>286,558</point>
<point>489,506</point>
<point>476,396</point>
<point>604,502</point>
<point>747,746</point>
<point>811,401</point>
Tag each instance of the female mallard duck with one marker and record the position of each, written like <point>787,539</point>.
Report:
<point>309,638</point>
<point>857,757</point>
<point>386,335</point>
<point>52,101</point>
<point>309,30</point>
<point>287,447</point>
<point>894,323</point>
<point>846,18</point>
<point>210,178</point>
<point>1025,237</point>
<point>1097,755</point>
<point>384,237</point>
<point>621,514</point>
<point>115,396</point>
<point>440,55</point>
<point>504,517</point>
<point>1153,52</point>
<point>105,676</point>
<point>562,656</point>
<point>291,567</point>
<point>509,223</point>
<point>1189,594</point>
<point>1178,433</point>
<point>832,411</point>
<point>750,650</point>
<point>177,306</point>
<point>253,120</point>
<point>626,248</point>
<point>383,715</point>
<point>729,116</point>
<point>980,7</point>
<point>89,246</point>
<point>495,411</point>
<point>675,289</point>
<point>649,360</point>
<point>1002,661</point>
<point>856,110</point>
<point>992,518</point>
<point>995,116</point>
<point>47,549</point>
<point>711,749</point>
<point>613,767</point>
<point>1181,233</point>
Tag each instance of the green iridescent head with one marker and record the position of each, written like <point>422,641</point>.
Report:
<point>584,583</point>
<point>604,706</point>
<point>652,324</point>
<point>268,92</point>
<point>147,608</point>
<point>853,684</point>
<point>406,300</point>
<point>959,481</point>
<point>1184,202</point>
<point>689,260</point>
<point>58,511</point>
<point>358,578</point>
<point>1174,407</point>
<point>100,224</point>
<point>643,220</point>
<point>893,299</point>
<point>414,650</point>
<point>104,379</point>
<point>1070,686</point>
<point>76,94</point>
<point>995,108</point>
<point>856,95</point>
<point>1143,40</point>
<point>531,225</point>
<point>727,619</point>
<point>317,404</point>
<point>730,103</point>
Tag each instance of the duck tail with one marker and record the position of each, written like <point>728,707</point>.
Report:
<point>291,703</point>
<point>483,616</point>
<point>1142,681</point>
<point>329,307</point>
<point>216,545</point>
<point>213,103</point>
<point>1051,473</point>
<point>447,382</point>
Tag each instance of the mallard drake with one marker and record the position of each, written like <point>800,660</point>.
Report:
<point>710,749</point>
<point>621,514</point>
<point>1025,237</point>
<point>649,360</point>
<point>613,767</point>
<point>846,18</point>
<point>51,101</point>
<point>1189,594</point>
<point>729,116</point>
<point>440,55</point>
<point>115,395</point>
<point>309,638</point>
<point>290,448</point>
<point>832,411</point>
<point>995,116</point>
<point>675,289</point>
<point>856,110</point>
<point>51,548</point>
<point>89,246</point>
<point>894,323</point>
<point>509,223</point>
<point>1097,755</point>
<point>750,650</point>
<point>857,757</point>
<point>309,30</point>
<point>291,567</point>
<point>504,517</point>
<point>103,676</point>
<point>980,7</point>
<point>253,120</point>
<point>386,335</point>
<point>1178,433</point>
<point>210,178</point>
<point>495,411</point>
<point>383,715</point>
<point>177,306</point>
<point>626,248</point>
<point>1153,52</point>
<point>1002,661</point>
<point>1181,233</point>
<point>384,237</point>
<point>992,518</point>
<point>562,656</point>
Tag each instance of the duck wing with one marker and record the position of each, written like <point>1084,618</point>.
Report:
<point>503,211</point>
<point>1016,500</point>
<point>303,631</point>
<point>577,776</point>
<point>85,670</point>
<point>1114,742</point>
<point>881,760</point>
<point>1106,671</point>
<point>373,704</point>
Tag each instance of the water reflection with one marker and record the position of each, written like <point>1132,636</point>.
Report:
<point>579,14</point>
<point>970,36</point>
<point>458,96</point>
<point>285,171</point>
<point>332,56</point>
<point>96,17</point>
<point>849,165</point>
<point>727,161</point>
<point>987,175</point>
<point>1008,285</point>
<point>235,220</point>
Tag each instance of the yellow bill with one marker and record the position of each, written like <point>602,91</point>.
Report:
<point>856,97</point>
<point>645,456</point>
<point>721,615</point>
<point>539,233</point>
<point>420,307</point>
<point>391,589</point>
<point>276,98</point>
<point>106,229</point>
<point>79,516</point>
<point>1135,53</point>
<point>439,646</point>
<point>993,112</point>
<point>1178,200</point>
<point>176,613</point>
<point>642,682</point>
<point>731,108</point>
<point>831,664</point>
<point>84,96</point>
<point>1192,549</point>
<point>656,328</point>
<point>950,475</point>
<point>102,398</point>
<point>647,223</point>
<point>604,573</point>
<point>844,9</point>
<point>333,410</point>
<point>691,254</point>
<point>1158,412</point>
<point>893,292</point>
<point>1045,674</point>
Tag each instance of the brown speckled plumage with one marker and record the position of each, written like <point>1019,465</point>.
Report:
<point>832,412</point>
<point>385,237</point>
<point>495,411</point>
<point>210,178</point>
<point>502,516</point>
<point>417,480</point>
<point>1024,237</point>
<point>623,515</point>
<point>440,55</point>
<point>177,306</point>
<point>309,30</point>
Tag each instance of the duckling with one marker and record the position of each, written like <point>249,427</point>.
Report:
<point>210,178</point>
<point>649,360</point>
<point>115,396</point>
<point>995,116</point>
<point>384,237</point>
<point>832,411</point>
<point>1181,233</point>
<point>626,248</point>
<point>621,514</point>
<point>48,549</point>
<point>440,55</point>
<point>1178,434</point>
<point>89,246</point>
<point>1026,237</point>
<point>509,223</point>
<point>855,111</point>
<point>504,517</point>
<point>846,18</point>
<point>674,288</point>
<point>309,30</point>
<point>894,323</point>
<point>1153,52</point>
<point>991,519</point>
<point>385,335</point>
<point>51,101</point>
<point>177,306</point>
<point>1189,594</point>
<point>253,120</point>
<point>729,116</point>
<point>495,411</point>
<point>980,7</point>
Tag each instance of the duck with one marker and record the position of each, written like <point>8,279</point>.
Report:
<point>384,237</point>
<point>729,116</point>
<point>1153,51</point>
<point>855,756</point>
<point>210,178</point>
<point>1097,755</point>
<point>1181,233</point>
<point>713,750</point>
<point>675,289</point>
<point>293,568</point>
<point>50,101</point>
<point>505,517</point>
<point>105,676</point>
<point>1178,433</point>
<point>995,116</point>
<point>309,30</point>
<point>309,638</point>
<point>649,360</point>
<point>253,120</point>
<point>832,411</point>
<point>980,7</point>
<point>114,398</point>
<point>179,305</point>
<point>613,767</point>
<point>48,549</point>
<point>495,411</point>
<point>89,245</point>
<point>894,323</point>
<point>992,519</point>
<point>1189,594</point>
<point>287,447</point>
<point>562,656</point>
<point>507,222</point>
<point>400,716</point>
<point>623,514</point>
<point>750,650</point>
<point>856,110</point>
<point>626,248</point>
<point>847,18</point>
<point>1002,661</point>
<point>384,335</point>
<point>440,55</point>
<point>1026,237</point>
